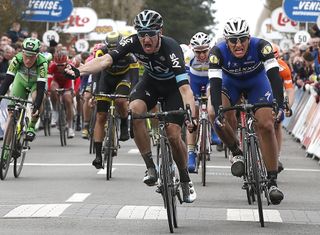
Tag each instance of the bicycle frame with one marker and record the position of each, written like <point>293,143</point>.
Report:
<point>111,142</point>
<point>255,177</point>
<point>168,183</point>
<point>203,137</point>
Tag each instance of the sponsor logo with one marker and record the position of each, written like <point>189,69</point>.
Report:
<point>267,49</point>
<point>175,61</point>
<point>214,59</point>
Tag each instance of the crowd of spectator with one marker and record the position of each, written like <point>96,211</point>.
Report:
<point>304,60</point>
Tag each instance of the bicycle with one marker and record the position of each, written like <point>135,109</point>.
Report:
<point>62,122</point>
<point>46,115</point>
<point>168,183</point>
<point>204,136</point>
<point>255,177</point>
<point>15,146</point>
<point>111,142</point>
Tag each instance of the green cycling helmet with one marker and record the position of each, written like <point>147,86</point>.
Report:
<point>31,45</point>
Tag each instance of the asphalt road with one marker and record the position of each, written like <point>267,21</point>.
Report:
<point>60,192</point>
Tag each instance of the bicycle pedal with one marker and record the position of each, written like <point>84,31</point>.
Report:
<point>159,189</point>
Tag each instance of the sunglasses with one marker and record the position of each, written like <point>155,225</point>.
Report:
<point>242,39</point>
<point>149,33</point>
<point>29,53</point>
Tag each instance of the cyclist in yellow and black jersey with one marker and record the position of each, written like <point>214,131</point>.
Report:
<point>115,79</point>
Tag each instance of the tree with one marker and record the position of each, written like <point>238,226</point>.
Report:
<point>10,11</point>
<point>184,18</point>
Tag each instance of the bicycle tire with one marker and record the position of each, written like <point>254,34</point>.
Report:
<point>5,162</point>
<point>203,150</point>
<point>256,175</point>
<point>109,145</point>
<point>61,124</point>
<point>167,181</point>
<point>91,131</point>
<point>18,162</point>
<point>247,175</point>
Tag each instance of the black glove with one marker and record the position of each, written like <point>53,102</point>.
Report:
<point>75,70</point>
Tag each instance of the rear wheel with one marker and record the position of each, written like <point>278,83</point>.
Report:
<point>7,149</point>
<point>109,147</point>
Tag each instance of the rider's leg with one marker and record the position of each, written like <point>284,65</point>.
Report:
<point>191,146</point>
<point>68,100</point>
<point>86,114</point>
<point>123,88</point>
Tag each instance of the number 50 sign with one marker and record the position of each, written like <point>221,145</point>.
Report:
<point>301,37</point>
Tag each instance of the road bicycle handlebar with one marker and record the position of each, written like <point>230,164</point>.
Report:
<point>16,99</point>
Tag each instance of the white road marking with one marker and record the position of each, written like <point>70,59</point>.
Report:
<point>104,171</point>
<point>142,212</point>
<point>38,210</point>
<point>133,151</point>
<point>78,197</point>
<point>253,215</point>
<point>143,165</point>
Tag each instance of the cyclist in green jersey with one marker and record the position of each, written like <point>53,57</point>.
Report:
<point>28,73</point>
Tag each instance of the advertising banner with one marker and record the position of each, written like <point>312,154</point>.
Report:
<point>47,10</point>
<point>302,10</point>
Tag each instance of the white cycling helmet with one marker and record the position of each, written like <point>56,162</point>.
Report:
<point>200,40</point>
<point>236,27</point>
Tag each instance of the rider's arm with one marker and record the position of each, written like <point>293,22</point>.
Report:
<point>215,78</point>
<point>6,84</point>
<point>11,73</point>
<point>96,65</point>
<point>41,85</point>
<point>272,68</point>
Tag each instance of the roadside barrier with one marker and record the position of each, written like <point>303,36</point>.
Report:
<point>304,124</point>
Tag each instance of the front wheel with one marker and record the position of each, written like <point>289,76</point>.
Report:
<point>7,149</point>
<point>18,161</point>
<point>257,177</point>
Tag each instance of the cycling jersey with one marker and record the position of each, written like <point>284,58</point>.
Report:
<point>247,75</point>
<point>197,71</point>
<point>285,74</point>
<point>58,76</point>
<point>26,80</point>
<point>166,64</point>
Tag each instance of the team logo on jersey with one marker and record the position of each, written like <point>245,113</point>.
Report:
<point>162,58</point>
<point>175,61</point>
<point>214,59</point>
<point>266,50</point>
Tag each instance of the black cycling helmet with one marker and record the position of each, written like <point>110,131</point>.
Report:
<point>148,20</point>
<point>112,39</point>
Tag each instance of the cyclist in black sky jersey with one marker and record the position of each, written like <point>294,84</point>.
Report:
<point>165,76</point>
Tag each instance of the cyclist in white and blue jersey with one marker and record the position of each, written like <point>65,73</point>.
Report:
<point>197,65</point>
<point>246,65</point>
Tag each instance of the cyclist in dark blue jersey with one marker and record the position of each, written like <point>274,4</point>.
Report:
<point>164,76</point>
<point>246,65</point>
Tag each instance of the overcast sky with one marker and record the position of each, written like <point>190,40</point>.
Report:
<point>250,10</point>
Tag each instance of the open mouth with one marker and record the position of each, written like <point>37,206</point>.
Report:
<point>147,46</point>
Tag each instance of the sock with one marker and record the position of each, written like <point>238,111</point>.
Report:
<point>235,150</point>
<point>184,175</point>
<point>98,146</point>
<point>272,176</point>
<point>86,125</point>
<point>191,147</point>
<point>148,160</point>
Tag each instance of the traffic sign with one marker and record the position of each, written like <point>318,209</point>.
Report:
<point>82,45</point>
<point>301,37</point>
<point>50,35</point>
